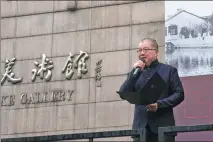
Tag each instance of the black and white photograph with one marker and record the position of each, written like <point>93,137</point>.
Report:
<point>189,37</point>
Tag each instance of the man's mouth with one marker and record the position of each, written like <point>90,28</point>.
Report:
<point>142,57</point>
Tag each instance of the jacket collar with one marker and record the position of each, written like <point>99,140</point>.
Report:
<point>153,64</point>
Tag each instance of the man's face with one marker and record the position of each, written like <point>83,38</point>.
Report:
<point>147,51</point>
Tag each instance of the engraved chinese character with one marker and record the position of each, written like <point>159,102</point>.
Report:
<point>98,73</point>
<point>45,66</point>
<point>9,75</point>
<point>68,67</point>
<point>80,64</point>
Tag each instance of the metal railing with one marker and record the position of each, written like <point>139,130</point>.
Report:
<point>105,134</point>
<point>163,132</point>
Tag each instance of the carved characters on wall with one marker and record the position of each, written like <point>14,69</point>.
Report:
<point>79,63</point>
<point>98,73</point>
<point>44,69</point>
<point>8,74</point>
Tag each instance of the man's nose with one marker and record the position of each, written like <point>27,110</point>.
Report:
<point>142,53</point>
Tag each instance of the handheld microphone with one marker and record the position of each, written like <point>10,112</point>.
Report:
<point>138,68</point>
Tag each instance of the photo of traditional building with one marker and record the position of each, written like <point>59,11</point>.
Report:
<point>189,42</point>
<point>195,31</point>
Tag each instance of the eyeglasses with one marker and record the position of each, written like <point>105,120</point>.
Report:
<point>145,50</point>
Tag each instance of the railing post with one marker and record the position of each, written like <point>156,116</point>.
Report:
<point>143,135</point>
<point>161,136</point>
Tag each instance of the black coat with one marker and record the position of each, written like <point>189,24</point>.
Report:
<point>172,95</point>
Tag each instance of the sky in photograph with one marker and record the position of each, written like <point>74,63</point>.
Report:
<point>200,8</point>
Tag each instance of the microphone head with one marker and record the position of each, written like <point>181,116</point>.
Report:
<point>143,60</point>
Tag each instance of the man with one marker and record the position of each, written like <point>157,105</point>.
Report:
<point>160,113</point>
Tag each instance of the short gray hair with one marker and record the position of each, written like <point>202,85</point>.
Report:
<point>153,41</point>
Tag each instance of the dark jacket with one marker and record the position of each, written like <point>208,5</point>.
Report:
<point>172,95</point>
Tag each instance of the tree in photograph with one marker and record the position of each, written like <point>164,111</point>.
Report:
<point>185,31</point>
<point>211,24</point>
<point>200,29</point>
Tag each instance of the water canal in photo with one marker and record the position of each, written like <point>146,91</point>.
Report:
<point>191,61</point>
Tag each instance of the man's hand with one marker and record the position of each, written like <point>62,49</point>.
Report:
<point>152,107</point>
<point>140,64</point>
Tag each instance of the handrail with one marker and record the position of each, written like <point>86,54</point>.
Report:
<point>105,134</point>
<point>164,131</point>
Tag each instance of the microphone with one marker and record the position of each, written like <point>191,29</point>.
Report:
<point>138,68</point>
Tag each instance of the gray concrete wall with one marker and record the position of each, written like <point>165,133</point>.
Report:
<point>107,30</point>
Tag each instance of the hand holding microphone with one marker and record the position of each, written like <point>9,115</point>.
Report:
<point>140,64</point>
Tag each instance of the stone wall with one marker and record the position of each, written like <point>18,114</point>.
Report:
<point>106,30</point>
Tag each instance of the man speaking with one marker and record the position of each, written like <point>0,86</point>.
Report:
<point>159,113</point>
